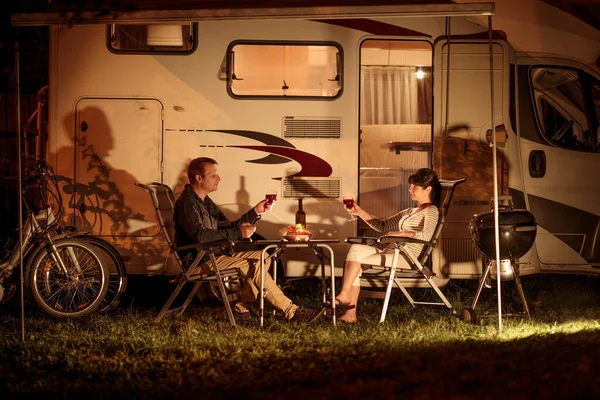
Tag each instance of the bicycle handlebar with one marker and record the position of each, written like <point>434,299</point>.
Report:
<point>38,172</point>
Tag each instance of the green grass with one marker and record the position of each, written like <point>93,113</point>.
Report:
<point>420,353</point>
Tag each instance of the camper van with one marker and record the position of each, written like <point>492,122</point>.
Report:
<point>320,102</point>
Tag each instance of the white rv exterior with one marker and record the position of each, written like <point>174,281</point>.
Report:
<point>118,119</point>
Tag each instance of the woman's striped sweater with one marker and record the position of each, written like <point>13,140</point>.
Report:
<point>422,223</point>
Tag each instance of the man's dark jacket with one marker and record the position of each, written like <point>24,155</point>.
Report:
<point>201,221</point>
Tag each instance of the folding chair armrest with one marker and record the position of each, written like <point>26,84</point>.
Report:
<point>369,241</point>
<point>222,243</point>
<point>402,240</point>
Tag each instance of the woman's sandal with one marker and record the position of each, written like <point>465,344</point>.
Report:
<point>339,305</point>
<point>344,322</point>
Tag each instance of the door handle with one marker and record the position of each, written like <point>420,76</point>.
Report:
<point>537,164</point>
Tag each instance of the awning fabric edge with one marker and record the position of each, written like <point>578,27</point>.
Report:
<point>322,12</point>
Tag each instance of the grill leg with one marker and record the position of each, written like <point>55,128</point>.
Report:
<point>486,273</point>
<point>515,269</point>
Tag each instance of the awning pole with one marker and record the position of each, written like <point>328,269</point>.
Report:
<point>495,166</point>
<point>447,104</point>
<point>19,184</point>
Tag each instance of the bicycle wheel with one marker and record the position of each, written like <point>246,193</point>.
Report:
<point>77,293</point>
<point>117,274</point>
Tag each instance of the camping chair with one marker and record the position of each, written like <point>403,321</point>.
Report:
<point>162,198</point>
<point>419,268</point>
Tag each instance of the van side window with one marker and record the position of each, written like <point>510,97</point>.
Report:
<point>567,104</point>
<point>165,38</point>
<point>284,69</point>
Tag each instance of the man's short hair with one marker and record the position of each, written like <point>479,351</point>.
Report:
<point>196,167</point>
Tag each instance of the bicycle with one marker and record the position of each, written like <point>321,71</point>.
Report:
<point>117,273</point>
<point>65,273</point>
<point>117,282</point>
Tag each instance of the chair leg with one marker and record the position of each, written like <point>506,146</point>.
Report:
<point>439,292</point>
<point>189,298</point>
<point>222,290</point>
<point>388,291</point>
<point>430,281</point>
<point>165,310</point>
<point>405,292</point>
<point>225,300</point>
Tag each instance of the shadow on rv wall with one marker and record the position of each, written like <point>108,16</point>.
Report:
<point>459,157</point>
<point>182,179</point>
<point>101,198</point>
<point>463,152</point>
<point>325,215</point>
<point>329,212</point>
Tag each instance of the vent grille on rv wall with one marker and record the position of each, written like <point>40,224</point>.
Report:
<point>312,127</point>
<point>315,188</point>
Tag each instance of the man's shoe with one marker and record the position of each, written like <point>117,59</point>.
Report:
<point>306,314</point>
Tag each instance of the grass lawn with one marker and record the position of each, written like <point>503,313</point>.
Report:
<point>420,353</point>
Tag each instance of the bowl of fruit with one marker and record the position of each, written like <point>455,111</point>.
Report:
<point>296,233</point>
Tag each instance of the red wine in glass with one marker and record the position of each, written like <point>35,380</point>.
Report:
<point>348,200</point>
<point>271,196</point>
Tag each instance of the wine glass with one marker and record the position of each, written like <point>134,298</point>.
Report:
<point>271,197</point>
<point>348,200</point>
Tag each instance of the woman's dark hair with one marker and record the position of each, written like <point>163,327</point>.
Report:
<point>424,178</point>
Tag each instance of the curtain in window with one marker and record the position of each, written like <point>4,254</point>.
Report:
<point>394,95</point>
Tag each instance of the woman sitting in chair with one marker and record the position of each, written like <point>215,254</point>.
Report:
<point>418,222</point>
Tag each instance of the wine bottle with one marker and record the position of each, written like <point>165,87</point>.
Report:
<point>300,216</point>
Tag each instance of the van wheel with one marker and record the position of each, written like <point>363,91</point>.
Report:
<point>468,315</point>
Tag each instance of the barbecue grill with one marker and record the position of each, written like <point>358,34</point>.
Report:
<point>517,231</point>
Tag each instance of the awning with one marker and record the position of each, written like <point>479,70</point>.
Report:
<point>233,13</point>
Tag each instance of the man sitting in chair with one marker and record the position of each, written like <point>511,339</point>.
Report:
<point>418,222</point>
<point>199,220</point>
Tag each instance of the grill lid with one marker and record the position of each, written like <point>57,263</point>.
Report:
<point>517,233</point>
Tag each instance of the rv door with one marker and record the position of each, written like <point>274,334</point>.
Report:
<point>118,142</point>
<point>462,118</point>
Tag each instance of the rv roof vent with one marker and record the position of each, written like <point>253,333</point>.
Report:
<point>313,187</point>
<point>312,127</point>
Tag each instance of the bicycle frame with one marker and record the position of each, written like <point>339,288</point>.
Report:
<point>31,226</point>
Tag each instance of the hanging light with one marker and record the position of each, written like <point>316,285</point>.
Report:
<point>420,74</point>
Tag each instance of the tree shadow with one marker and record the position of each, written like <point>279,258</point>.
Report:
<point>102,199</point>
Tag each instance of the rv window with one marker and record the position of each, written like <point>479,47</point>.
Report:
<point>396,82</point>
<point>566,106</point>
<point>285,70</point>
<point>171,38</point>
<point>556,126</point>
